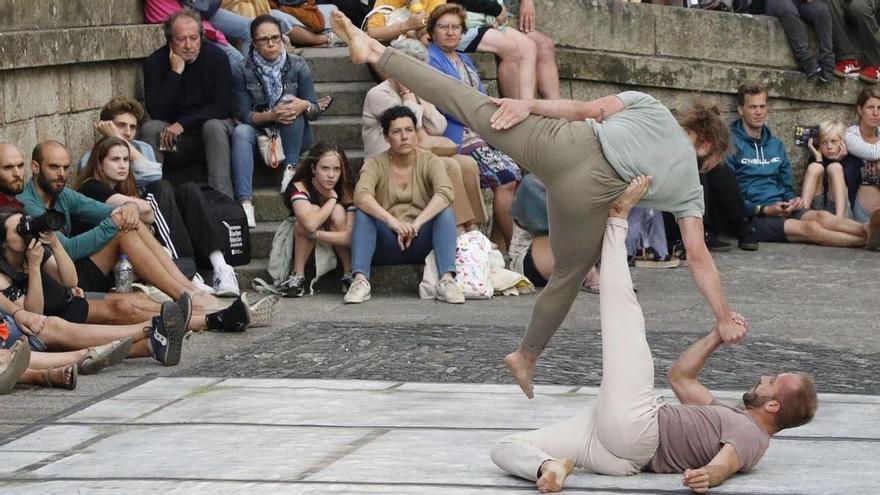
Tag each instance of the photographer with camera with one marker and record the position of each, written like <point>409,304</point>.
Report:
<point>764,174</point>
<point>35,269</point>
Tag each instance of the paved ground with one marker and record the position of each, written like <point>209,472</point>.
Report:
<point>204,435</point>
<point>810,308</point>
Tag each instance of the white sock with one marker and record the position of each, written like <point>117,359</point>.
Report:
<point>217,260</point>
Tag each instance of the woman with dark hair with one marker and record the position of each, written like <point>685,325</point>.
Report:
<point>403,198</point>
<point>319,197</point>
<point>274,95</point>
<point>863,141</point>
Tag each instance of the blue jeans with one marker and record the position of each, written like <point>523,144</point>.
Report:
<point>646,230</point>
<point>235,27</point>
<point>295,137</point>
<point>373,242</point>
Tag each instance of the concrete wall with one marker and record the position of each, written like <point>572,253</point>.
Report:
<point>60,61</point>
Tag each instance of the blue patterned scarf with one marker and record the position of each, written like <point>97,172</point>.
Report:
<point>270,73</point>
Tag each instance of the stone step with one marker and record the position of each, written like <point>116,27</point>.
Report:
<point>345,131</point>
<point>384,279</point>
<point>348,97</point>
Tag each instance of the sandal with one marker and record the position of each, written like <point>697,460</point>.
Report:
<point>324,103</point>
<point>21,356</point>
<point>69,375</point>
<point>592,288</point>
<point>106,355</point>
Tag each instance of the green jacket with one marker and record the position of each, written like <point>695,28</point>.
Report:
<point>84,209</point>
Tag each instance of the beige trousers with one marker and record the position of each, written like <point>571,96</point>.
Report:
<point>619,435</point>
<point>468,201</point>
<point>568,159</point>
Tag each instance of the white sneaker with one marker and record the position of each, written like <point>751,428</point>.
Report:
<point>199,282</point>
<point>225,283</point>
<point>449,291</point>
<point>248,208</point>
<point>358,292</point>
<point>289,170</point>
<point>264,312</point>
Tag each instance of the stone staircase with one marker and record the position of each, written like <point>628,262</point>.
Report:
<point>335,75</point>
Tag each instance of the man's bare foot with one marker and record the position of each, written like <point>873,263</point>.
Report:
<point>521,364</point>
<point>553,474</point>
<point>361,47</point>
<point>872,228</point>
<point>630,197</point>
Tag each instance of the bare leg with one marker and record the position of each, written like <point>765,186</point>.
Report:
<point>302,249</point>
<point>547,71</point>
<point>528,54</point>
<point>510,78</point>
<point>504,195</point>
<point>837,186</point>
<point>812,232</point>
<point>831,222</point>
<point>339,223</point>
<point>300,36</point>
<point>553,474</point>
<point>63,335</point>
<point>46,360</point>
<point>812,182</point>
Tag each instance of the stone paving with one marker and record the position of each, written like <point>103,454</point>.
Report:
<point>209,435</point>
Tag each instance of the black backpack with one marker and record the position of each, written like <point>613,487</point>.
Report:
<point>232,225</point>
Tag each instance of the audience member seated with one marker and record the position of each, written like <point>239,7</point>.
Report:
<point>188,230</point>
<point>726,212</point>
<point>274,94</point>
<point>188,94</point>
<point>855,32</point>
<point>356,10</point>
<point>310,23</point>
<point>107,178</point>
<point>160,338</point>
<point>794,14</point>
<point>764,174</point>
<point>497,171</point>
<point>832,172</point>
<point>218,25</point>
<point>403,199</point>
<point>21,366</point>
<point>526,58</point>
<point>111,231</point>
<point>391,19</point>
<point>430,125</point>
<point>41,280</point>
<point>319,197</point>
<point>863,141</point>
<point>119,308</point>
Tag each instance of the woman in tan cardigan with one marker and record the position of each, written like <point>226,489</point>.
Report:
<point>403,198</point>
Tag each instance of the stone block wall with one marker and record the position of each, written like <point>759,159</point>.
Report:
<point>61,61</point>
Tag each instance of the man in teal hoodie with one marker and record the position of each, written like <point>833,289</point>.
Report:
<point>764,174</point>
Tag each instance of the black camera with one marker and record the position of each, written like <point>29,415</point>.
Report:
<point>31,226</point>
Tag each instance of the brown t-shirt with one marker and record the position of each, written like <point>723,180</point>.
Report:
<point>690,436</point>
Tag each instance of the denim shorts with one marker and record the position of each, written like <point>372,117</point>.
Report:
<point>15,334</point>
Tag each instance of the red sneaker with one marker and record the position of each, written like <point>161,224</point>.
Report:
<point>847,68</point>
<point>870,74</point>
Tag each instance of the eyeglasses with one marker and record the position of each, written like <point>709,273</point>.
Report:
<point>455,28</point>
<point>265,40</point>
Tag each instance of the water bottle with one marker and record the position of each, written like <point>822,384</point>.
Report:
<point>124,274</point>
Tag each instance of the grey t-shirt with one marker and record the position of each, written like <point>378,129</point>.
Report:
<point>645,139</point>
<point>690,436</point>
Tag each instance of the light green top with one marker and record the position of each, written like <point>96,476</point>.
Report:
<point>645,139</point>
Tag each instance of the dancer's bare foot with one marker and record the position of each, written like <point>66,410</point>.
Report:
<point>630,196</point>
<point>553,474</point>
<point>361,47</point>
<point>521,364</point>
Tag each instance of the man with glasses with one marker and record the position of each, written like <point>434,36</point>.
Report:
<point>188,94</point>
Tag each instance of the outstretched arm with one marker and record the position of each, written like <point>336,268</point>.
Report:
<point>721,467</point>
<point>512,112</point>
<point>731,327</point>
<point>684,374</point>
